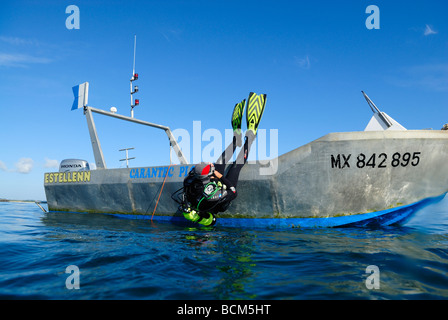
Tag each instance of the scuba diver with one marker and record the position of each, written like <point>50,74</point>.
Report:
<point>207,190</point>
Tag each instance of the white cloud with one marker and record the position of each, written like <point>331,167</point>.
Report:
<point>429,31</point>
<point>171,34</point>
<point>3,166</point>
<point>303,63</point>
<point>24,165</point>
<point>433,77</point>
<point>49,163</point>
<point>20,60</point>
<point>18,41</point>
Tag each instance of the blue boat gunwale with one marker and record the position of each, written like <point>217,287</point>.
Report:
<point>397,215</point>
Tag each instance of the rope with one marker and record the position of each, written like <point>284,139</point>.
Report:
<point>164,180</point>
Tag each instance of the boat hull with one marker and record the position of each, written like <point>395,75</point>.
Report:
<point>339,179</point>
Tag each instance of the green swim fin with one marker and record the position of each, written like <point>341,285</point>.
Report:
<point>237,116</point>
<point>255,109</point>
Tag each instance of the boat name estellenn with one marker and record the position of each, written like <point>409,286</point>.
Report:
<point>66,177</point>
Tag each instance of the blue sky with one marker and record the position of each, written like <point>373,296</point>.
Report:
<point>195,60</point>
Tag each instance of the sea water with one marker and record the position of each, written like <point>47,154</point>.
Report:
<point>94,256</point>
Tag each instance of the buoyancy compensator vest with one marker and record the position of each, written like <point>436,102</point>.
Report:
<point>203,193</point>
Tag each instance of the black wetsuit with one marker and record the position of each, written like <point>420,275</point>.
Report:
<point>225,186</point>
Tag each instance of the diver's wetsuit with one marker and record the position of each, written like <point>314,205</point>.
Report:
<point>226,192</point>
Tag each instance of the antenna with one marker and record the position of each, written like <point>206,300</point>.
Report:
<point>371,104</point>
<point>135,47</point>
<point>134,78</point>
<point>377,111</point>
<point>127,158</point>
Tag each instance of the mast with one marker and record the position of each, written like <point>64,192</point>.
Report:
<point>134,89</point>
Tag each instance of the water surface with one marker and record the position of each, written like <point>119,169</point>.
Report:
<point>139,259</point>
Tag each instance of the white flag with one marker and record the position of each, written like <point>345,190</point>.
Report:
<point>81,93</point>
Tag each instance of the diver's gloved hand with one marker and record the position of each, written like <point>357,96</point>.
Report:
<point>208,220</point>
<point>205,218</point>
<point>190,214</point>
